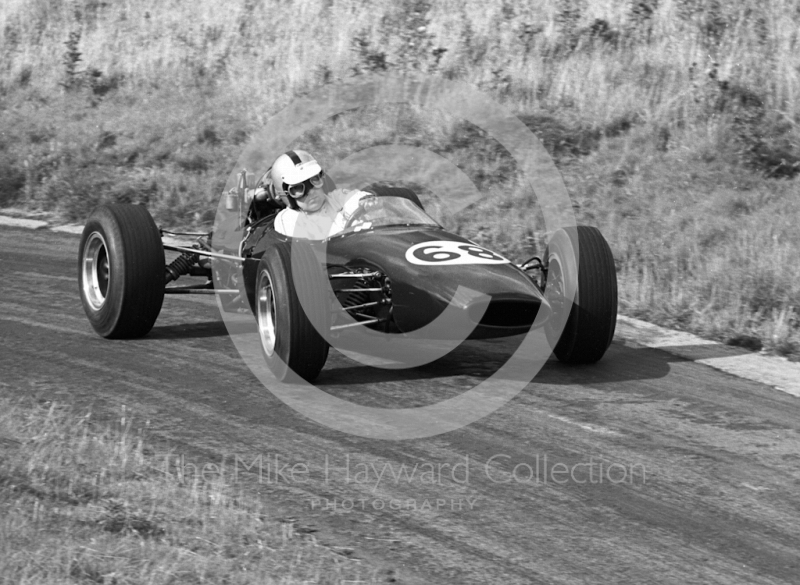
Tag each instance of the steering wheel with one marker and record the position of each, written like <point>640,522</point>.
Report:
<point>361,211</point>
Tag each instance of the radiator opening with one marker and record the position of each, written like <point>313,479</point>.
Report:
<point>506,313</point>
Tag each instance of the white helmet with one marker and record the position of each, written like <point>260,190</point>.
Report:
<point>293,168</point>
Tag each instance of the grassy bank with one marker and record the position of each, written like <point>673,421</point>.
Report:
<point>83,504</point>
<point>674,123</point>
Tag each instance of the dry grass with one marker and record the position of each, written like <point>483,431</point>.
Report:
<point>674,122</point>
<point>85,505</point>
<point>700,246</point>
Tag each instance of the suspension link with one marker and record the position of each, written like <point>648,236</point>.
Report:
<point>180,266</point>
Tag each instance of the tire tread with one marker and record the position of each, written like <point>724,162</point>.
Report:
<point>136,290</point>
<point>592,321</point>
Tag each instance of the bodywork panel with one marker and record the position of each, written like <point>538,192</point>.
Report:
<point>497,298</point>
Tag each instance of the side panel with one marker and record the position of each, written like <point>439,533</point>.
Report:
<point>421,291</point>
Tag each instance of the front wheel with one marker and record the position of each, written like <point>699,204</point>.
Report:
<point>290,344</point>
<point>580,266</point>
<point>121,271</point>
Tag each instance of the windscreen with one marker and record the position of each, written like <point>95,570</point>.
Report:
<point>374,212</point>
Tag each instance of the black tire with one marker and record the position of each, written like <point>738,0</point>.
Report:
<point>291,345</point>
<point>382,191</point>
<point>589,326</point>
<point>121,271</point>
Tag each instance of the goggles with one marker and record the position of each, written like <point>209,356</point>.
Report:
<point>300,189</point>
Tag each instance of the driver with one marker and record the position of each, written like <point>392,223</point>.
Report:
<point>313,210</point>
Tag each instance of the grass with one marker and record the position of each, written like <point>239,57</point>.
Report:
<point>700,246</point>
<point>82,503</point>
<point>674,123</point>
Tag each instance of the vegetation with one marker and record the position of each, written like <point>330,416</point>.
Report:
<point>674,123</point>
<point>82,504</point>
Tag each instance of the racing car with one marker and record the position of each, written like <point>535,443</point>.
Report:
<point>392,271</point>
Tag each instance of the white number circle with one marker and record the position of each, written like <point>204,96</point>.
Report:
<point>446,252</point>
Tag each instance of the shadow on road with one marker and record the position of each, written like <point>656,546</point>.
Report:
<point>189,330</point>
<point>477,360</point>
<point>470,363</point>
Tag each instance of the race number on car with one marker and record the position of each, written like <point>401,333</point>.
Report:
<point>444,252</point>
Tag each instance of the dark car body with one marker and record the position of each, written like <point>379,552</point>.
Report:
<point>494,297</point>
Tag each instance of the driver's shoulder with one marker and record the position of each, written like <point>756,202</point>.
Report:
<point>285,221</point>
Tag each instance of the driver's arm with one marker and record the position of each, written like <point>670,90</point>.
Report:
<point>353,200</point>
<point>262,199</point>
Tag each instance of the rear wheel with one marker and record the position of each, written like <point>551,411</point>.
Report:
<point>291,345</point>
<point>121,271</point>
<point>589,323</point>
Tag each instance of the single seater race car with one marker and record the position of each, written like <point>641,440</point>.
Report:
<point>392,271</point>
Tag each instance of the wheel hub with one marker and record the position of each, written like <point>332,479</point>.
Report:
<point>96,271</point>
<point>266,314</point>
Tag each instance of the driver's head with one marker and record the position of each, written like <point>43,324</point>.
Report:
<point>297,179</point>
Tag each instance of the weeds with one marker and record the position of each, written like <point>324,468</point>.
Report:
<point>85,503</point>
<point>72,56</point>
<point>370,59</point>
<point>12,180</point>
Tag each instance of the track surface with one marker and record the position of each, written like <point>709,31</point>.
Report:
<point>710,463</point>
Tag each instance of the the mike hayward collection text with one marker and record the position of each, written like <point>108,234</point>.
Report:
<point>357,469</point>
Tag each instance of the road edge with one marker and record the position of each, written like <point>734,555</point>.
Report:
<point>774,371</point>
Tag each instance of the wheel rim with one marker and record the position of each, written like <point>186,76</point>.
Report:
<point>96,271</point>
<point>266,313</point>
<point>554,286</point>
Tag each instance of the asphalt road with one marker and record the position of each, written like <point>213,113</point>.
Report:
<point>700,476</point>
